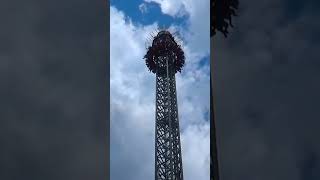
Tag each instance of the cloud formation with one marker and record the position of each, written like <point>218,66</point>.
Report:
<point>143,8</point>
<point>198,22</point>
<point>133,104</point>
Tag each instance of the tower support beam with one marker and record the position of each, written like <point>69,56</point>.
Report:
<point>165,58</point>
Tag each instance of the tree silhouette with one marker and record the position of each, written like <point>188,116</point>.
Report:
<point>221,12</point>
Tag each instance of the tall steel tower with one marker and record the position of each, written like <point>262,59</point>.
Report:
<point>165,58</point>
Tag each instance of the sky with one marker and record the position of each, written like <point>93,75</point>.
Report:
<point>132,86</point>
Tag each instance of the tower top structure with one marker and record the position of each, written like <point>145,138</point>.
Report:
<point>165,58</point>
<point>164,44</point>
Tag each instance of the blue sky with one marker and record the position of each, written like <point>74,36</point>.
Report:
<point>153,13</point>
<point>133,86</point>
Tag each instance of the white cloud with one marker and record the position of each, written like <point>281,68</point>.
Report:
<point>143,8</point>
<point>132,105</point>
<point>198,16</point>
<point>196,140</point>
<point>172,8</point>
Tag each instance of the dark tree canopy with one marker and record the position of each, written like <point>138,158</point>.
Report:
<point>221,12</point>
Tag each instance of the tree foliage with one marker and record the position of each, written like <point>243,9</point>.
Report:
<point>221,12</point>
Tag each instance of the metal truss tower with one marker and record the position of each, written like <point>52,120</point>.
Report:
<point>165,58</point>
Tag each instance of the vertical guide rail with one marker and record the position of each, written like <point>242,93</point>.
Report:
<point>156,132</point>
<point>178,157</point>
<point>169,106</point>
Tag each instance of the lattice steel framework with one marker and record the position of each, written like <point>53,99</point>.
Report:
<point>164,58</point>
